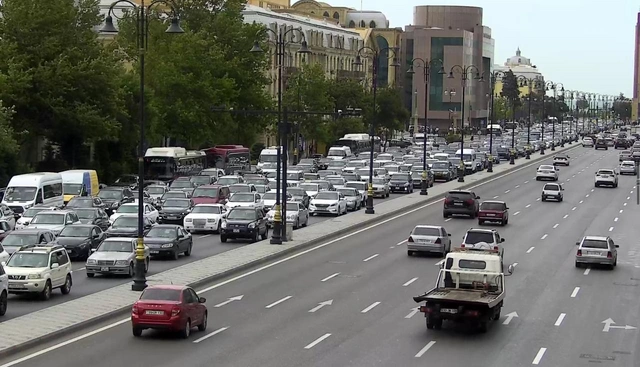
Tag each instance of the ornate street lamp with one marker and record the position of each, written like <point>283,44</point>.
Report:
<point>493,79</point>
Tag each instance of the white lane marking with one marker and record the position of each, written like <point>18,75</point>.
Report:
<point>278,302</point>
<point>610,229</point>
<point>254,271</point>
<point>210,335</point>
<point>230,300</point>
<point>574,208</point>
<point>80,269</point>
<point>401,242</point>
<point>526,182</point>
<point>374,304</point>
<point>317,341</point>
<point>538,199</point>
<point>592,190</point>
<point>543,236</point>
<point>628,197</point>
<point>425,349</point>
<point>565,216</point>
<point>539,356</point>
<point>625,204</point>
<point>440,262</point>
<point>555,226</point>
<point>371,257</point>
<point>581,201</point>
<point>392,247</point>
<point>528,205</point>
<point>615,219</point>
<point>448,219</point>
<point>413,312</point>
<point>586,196</point>
<point>530,249</point>
<point>586,271</point>
<point>497,196</point>
<point>205,236</point>
<point>560,319</point>
<point>575,292</point>
<point>621,210</point>
<point>517,186</point>
<point>409,282</point>
<point>568,179</point>
<point>516,213</point>
<point>330,277</point>
<point>321,305</point>
<point>573,176</point>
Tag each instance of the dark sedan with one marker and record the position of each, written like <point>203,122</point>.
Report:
<point>168,240</point>
<point>401,182</point>
<point>113,197</point>
<point>79,239</point>
<point>95,216</point>
<point>127,226</point>
<point>442,171</point>
<point>416,176</point>
<point>300,195</point>
<point>174,210</point>
<point>85,202</point>
<point>244,223</point>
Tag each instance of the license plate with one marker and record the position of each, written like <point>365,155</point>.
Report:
<point>604,176</point>
<point>154,252</point>
<point>16,286</point>
<point>449,310</point>
<point>491,215</point>
<point>104,268</point>
<point>424,241</point>
<point>236,231</point>
<point>593,253</point>
<point>458,204</point>
<point>199,225</point>
<point>150,312</point>
<point>398,187</point>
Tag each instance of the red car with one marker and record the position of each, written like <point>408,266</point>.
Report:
<point>211,194</point>
<point>169,307</point>
<point>493,211</point>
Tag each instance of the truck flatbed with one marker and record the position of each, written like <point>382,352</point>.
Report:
<point>468,296</point>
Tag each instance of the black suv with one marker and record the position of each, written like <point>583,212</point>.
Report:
<point>244,223</point>
<point>461,202</point>
<point>601,143</point>
<point>621,143</point>
<point>401,182</point>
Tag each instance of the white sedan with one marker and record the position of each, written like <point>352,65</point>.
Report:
<point>328,202</point>
<point>204,218</point>
<point>547,172</point>
<point>297,214</point>
<point>150,212</point>
<point>245,200</point>
<point>587,142</point>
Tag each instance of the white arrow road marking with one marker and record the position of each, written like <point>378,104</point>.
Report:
<point>236,298</point>
<point>575,292</point>
<point>586,271</point>
<point>560,319</point>
<point>409,282</point>
<point>413,312</point>
<point>370,307</point>
<point>539,356</point>
<point>321,304</point>
<point>210,335</point>
<point>425,349</point>
<point>370,257</point>
<point>278,302</point>
<point>530,249</point>
<point>317,341</point>
<point>330,277</point>
<point>608,325</point>
<point>510,316</point>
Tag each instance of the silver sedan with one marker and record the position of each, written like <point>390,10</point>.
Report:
<point>430,239</point>
<point>297,214</point>
<point>597,250</point>
<point>628,168</point>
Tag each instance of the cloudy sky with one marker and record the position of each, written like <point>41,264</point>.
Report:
<point>588,45</point>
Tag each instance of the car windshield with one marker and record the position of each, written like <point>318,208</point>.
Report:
<point>336,164</point>
<point>17,239</point>
<point>80,203</point>
<point>174,195</point>
<point>336,153</point>
<point>116,246</point>
<point>348,192</point>
<point>400,177</point>
<point>46,218</point>
<point>162,232</point>
<point>110,194</point>
<point>29,260</point>
<point>242,214</point>
<point>310,187</point>
<point>72,189</point>
<point>551,187</point>
<point>293,207</point>
<point>239,188</point>
<point>126,222</point>
<point>440,165</point>
<point>159,294</point>
<point>357,185</point>
<point>205,192</point>
<point>492,206</point>
<point>254,181</point>
<point>269,196</point>
<point>546,168</point>
<point>296,191</point>
<point>363,171</point>
<point>128,209</point>
<point>86,213</point>
<point>176,203</point>
<point>73,231</point>
<point>201,180</point>
<point>336,181</point>
<point>183,184</point>
<point>156,190</point>
<point>30,213</point>
<point>426,231</point>
<point>20,193</point>
<point>228,180</point>
<point>327,195</point>
<point>243,197</point>
<point>605,172</point>
<point>206,210</point>
<point>595,244</point>
<point>379,181</point>
<point>474,237</point>
<point>626,164</point>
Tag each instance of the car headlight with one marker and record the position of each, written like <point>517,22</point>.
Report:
<point>167,245</point>
<point>115,205</point>
<point>223,225</point>
<point>122,262</point>
<point>91,262</point>
<point>209,220</point>
<point>188,220</point>
<point>252,225</point>
<point>34,276</point>
<point>334,204</point>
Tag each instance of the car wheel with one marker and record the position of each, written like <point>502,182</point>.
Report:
<point>218,230</point>
<point>66,287</point>
<point>3,303</point>
<point>91,275</point>
<point>409,253</point>
<point>188,251</point>
<point>137,332</point>
<point>266,234</point>
<point>203,325</point>
<point>480,222</point>
<point>46,292</point>
<point>187,330</point>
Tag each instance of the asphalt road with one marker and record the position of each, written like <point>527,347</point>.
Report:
<point>204,246</point>
<point>367,316</point>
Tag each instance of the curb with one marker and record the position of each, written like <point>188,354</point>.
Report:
<point>333,235</point>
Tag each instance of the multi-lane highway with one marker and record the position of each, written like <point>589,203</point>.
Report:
<point>348,302</point>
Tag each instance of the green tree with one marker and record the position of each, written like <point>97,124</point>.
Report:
<point>57,76</point>
<point>8,146</point>
<point>391,113</point>
<point>622,107</point>
<point>501,109</point>
<point>346,94</point>
<point>511,90</point>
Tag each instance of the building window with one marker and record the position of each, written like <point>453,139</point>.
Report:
<point>336,16</point>
<point>383,61</point>
<point>372,24</point>
<point>326,14</point>
<point>362,24</point>
<point>352,24</point>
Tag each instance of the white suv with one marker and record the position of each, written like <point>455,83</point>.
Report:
<point>39,269</point>
<point>483,239</point>
<point>4,290</point>
<point>552,191</point>
<point>606,177</point>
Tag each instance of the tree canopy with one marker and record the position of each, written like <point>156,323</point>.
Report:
<point>511,89</point>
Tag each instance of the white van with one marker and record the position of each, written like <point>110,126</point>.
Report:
<point>495,129</point>
<point>40,188</point>
<point>339,153</point>
<point>268,155</point>
<point>469,159</point>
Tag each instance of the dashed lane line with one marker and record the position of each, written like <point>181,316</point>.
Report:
<point>516,213</point>
<point>565,216</point>
<point>210,335</point>
<point>317,341</point>
<point>575,292</point>
<point>370,307</point>
<point>610,229</point>
<point>538,358</point>
<point>371,257</point>
<point>528,205</point>
<point>543,237</point>
<point>560,319</point>
<point>530,249</point>
<point>425,349</point>
<point>330,277</point>
<point>409,282</point>
<point>587,271</point>
<point>555,226</point>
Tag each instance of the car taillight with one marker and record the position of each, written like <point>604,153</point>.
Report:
<point>175,311</point>
<point>609,255</point>
<point>410,239</point>
<point>448,201</point>
<point>462,245</point>
<point>134,309</point>
<point>496,248</point>
<point>469,201</point>
<point>438,241</point>
<point>579,253</point>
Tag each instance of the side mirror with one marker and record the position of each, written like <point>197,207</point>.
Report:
<point>55,266</point>
<point>501,240</point>
<point>510,269</point>
<point>617,246</point>
<point>202,300</point>
<point>93,250</point>
<point>449,234</point>
<point>477,197</point>
<point>577,243</point>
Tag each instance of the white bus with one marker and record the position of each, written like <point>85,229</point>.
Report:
<point>495,129</point>
<point>169,163</point>
<point>40,188</point>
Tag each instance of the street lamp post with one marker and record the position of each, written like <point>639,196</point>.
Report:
<point>280,43</point>
<point>578,97</point>
<point>570,97</point>
<point>464,76</point>
<point>493,79</point>
<point>375,60</point>
<point>512,152</point>
<point>555,105</point>
<point>426,66</point>
<point>530,83</point>
<point>142,19</point>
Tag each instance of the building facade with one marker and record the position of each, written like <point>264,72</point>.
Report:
<point>520,66</point>
<point>455,36</point>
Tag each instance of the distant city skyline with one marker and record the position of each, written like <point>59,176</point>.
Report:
<point>586,45</point>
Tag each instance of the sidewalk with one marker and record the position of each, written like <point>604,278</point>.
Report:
<point>56,321</point>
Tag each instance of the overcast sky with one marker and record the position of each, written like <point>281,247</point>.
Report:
<point>588,45</point>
